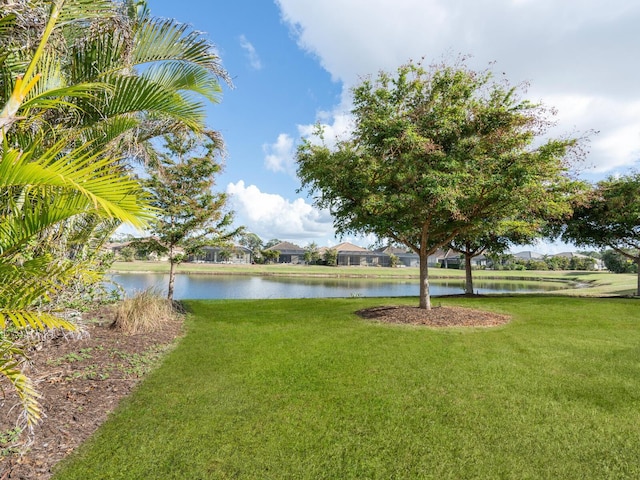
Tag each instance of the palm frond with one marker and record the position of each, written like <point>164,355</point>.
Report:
<point>34,319</point>
<point>98,56</point>
<point>7,21</point>
<point>83,10</point>
<point>34,215</point>
<point>105,132</point>
<point>79,172</point>
<point>181,76</point>
<point>167,40</point>
<point>10,368</point>
<point>136,94</point>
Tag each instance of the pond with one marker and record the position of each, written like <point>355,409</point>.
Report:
<point>254,287</point>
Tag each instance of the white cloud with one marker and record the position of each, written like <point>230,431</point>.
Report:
<point>618,122</point>
<point>577,54</point>
<point>280,156</point>
<point>252,55</point>
<point>272,216</point>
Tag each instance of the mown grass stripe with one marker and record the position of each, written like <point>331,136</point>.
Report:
<point>306,389</point>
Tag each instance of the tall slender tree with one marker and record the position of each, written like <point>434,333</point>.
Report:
<point>492,238</point>
<point>190,215</point>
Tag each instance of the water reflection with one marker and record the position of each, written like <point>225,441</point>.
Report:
<point>249,287</point>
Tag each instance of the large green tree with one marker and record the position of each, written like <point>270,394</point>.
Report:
<point>253,242</point>
<point>433,153</point>
<point>190,215</point>
<point>610,217</point>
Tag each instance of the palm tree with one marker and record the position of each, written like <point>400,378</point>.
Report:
<point>42,184</point>
<point>128,77</point>
<point>79,81</point>
<point>153,74</point>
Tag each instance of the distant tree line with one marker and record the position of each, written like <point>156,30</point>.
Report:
<point>510,262</point>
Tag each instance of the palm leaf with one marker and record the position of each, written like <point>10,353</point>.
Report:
<point>10,368</point>
<point>180,76</point>
<point>34,319</point>
<point>166,40</point>
<point>73,11</point>
<point>110,190</point>
<point>98,56</point>
<point>111,130</point>
<point>136,94</point>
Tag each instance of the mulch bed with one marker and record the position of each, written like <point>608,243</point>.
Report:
<point>82,380</point>
<point>435,317</point>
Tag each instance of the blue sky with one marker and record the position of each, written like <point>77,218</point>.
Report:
<point>294,61</point>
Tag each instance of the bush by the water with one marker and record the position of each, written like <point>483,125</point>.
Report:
<point>147,311</point>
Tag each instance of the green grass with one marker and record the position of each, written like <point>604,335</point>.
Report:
<point>304,389</point>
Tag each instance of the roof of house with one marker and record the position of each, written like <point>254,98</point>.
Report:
<point>528,255</point>
<point>397,251</point>
<point>349,247</point>
<point>287,248</point>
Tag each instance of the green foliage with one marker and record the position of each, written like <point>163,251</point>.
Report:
<point>72,105</point>
<point>270,256</point>
<point>127,254</point>
<point>498,236</point>
<point>190,214</point>
<point>10,441</point>
<point>311,254</point>
<point>617,263</point>
<point>610,218</point>
<point>433,155</point>
<point>53,181</point>
<point>306,389</point>
<point>330,257</point>
<point>253,242</point>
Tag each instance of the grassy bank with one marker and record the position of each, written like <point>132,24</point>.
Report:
<point>578,283</point>
<point>305,389</point>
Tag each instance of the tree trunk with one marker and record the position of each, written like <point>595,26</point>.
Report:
<point>425,298</point>
<point>468,285</point>
<point>172,279</point>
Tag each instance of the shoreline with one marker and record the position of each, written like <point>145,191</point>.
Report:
<point>576,283</point>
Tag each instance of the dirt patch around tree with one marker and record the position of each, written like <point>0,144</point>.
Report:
<point>435,317</point>
<point>81,378</point>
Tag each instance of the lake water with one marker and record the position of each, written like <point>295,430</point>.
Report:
<point>246,287</point>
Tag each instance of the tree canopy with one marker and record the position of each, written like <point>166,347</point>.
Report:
<point>190,215</point>
<point>610,217</point>
<point>433,153</point>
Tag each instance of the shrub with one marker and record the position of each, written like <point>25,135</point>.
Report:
<point>147,311</point>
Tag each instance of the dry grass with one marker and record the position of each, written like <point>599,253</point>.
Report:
<point>147,311</point>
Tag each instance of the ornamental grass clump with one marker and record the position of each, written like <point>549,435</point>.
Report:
<point>147,311</point>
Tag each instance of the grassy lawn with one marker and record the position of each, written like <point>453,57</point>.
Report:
<point>304,389</point>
